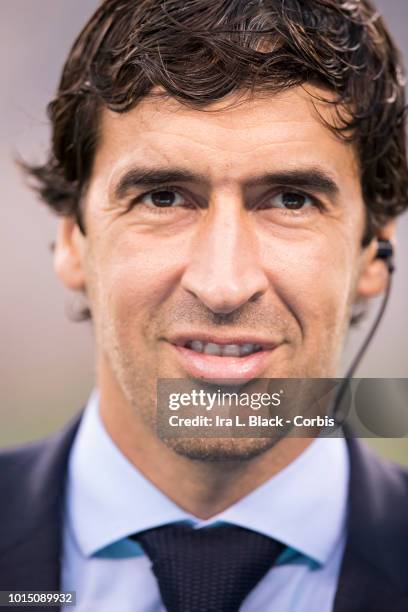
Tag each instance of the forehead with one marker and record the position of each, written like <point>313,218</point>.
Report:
<point>231,140</point>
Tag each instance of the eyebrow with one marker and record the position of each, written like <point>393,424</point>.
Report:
<point>313,178</point>
<point>143,177</point>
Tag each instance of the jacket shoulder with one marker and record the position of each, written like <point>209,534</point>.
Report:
<point>378,512</point>
<point>383,477</point>
<point>32,478</point>
<point>20,463</point>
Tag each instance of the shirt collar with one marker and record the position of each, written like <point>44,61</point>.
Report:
<point>303,506</point>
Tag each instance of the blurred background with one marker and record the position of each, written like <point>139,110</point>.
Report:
<point>46,360</point>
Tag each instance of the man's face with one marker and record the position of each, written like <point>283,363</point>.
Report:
<point>238,227</point>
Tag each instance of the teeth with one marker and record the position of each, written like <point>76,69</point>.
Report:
<point>223,350</point>
<point>197,346</point>
<point>212,349</point>
<point>231,350</point>
<point>247,349</point>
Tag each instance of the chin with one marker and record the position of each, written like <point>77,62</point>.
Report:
<point>220,449</point>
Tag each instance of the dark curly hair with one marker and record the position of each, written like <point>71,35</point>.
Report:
<point>199,51</point>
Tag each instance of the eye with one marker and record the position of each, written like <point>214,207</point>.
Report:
<point>163,198</point>
<point>289,200</point>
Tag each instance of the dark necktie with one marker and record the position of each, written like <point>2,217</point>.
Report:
<point>211,569</point>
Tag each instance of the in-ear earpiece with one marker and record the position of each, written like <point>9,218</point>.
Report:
<point>385,251</point>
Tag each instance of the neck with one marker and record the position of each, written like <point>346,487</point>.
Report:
<point>202,488</point>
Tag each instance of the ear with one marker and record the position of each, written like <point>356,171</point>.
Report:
<point>69,254</point>
<point>374,274</point>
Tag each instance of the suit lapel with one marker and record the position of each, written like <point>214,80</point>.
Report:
<point>32,489</point>
<point>374,571</point>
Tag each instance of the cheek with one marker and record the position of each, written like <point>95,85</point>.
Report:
<point>313,279</point>
<point>133,281</point>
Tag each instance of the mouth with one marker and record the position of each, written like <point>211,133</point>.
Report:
<point>224,350</point>
<point>222,360</point>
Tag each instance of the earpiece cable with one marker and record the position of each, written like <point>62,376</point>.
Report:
<point>357,359</point>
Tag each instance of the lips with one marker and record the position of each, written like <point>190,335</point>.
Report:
<point>222,359</point>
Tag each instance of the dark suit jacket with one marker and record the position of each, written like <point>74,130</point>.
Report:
<point>374,572</point>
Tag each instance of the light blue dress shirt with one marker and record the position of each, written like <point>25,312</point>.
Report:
<point>303,506</point>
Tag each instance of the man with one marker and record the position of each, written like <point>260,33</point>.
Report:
<point>224,172</point>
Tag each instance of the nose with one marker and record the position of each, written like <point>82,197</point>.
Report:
<point>224,270</point>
